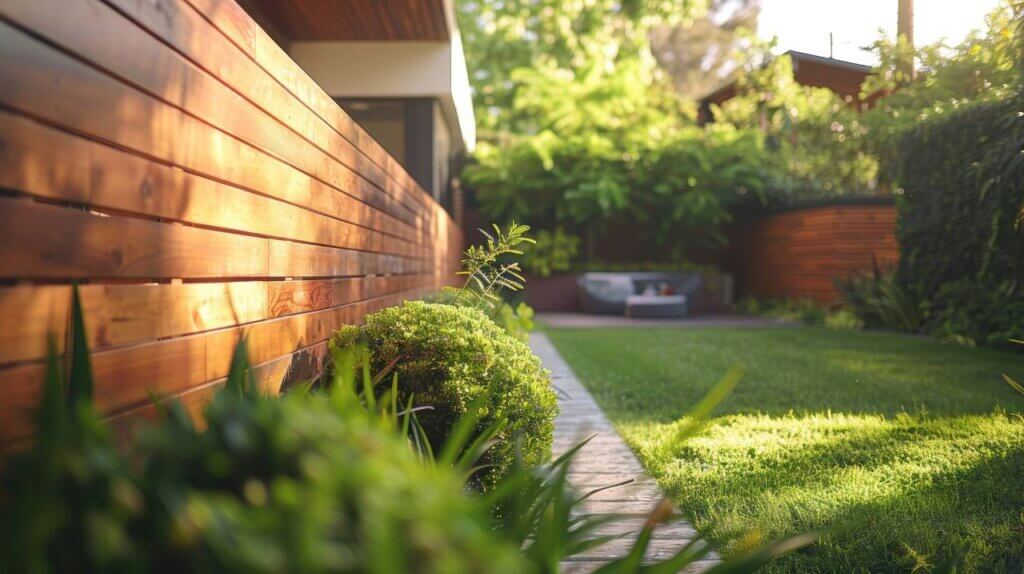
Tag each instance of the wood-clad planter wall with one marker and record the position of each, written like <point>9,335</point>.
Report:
<point>170,158</point>
<point>800,253</point>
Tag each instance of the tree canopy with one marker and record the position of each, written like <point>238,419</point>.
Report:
<point>582,125</point>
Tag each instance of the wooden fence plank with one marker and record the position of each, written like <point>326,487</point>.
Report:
<point>800,254</point>
<point>46,241</point>
<point>94,174</point>
<point>92,246</point>
<point>121,315</point>
<point>271,377</point>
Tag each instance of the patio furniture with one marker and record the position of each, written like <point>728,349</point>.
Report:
<point>656,306</point>
<point>641,294</point>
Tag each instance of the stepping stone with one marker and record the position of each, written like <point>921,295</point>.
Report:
<point>604,461</point>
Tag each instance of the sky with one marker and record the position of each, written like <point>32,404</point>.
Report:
<point>804,25</point>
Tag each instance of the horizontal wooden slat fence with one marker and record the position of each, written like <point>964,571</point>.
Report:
<point>800,253</point>
<point>170,158</point>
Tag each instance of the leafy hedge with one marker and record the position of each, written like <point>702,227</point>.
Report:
<point>961,241</point>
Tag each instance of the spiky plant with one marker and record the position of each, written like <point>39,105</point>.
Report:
<point>487,268</point>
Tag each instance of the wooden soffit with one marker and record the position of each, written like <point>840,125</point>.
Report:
<point>352,20</point>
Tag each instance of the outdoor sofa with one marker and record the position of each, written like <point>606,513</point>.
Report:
<point>639,294</point>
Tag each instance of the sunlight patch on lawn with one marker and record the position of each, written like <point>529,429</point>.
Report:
<point>756,478</point>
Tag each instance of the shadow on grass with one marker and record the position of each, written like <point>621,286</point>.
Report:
<point>969,515</point>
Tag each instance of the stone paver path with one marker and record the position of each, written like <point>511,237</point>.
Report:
<point>606,460</point>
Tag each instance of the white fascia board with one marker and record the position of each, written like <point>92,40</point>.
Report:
<point>376,69</point>
<point>461,93</point>
<point>395,70</point>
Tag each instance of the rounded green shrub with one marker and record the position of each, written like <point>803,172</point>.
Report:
<point>450,357</point>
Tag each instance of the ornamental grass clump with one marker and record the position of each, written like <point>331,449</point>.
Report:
<point>448,358</point>
<point>308,483</point>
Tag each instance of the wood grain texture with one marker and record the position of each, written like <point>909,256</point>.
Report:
<point>201,189</point>
<point>105,177</point>
<point>800,254</point>
<point>126,314</point>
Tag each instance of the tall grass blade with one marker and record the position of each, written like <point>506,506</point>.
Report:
<point>238,382</point>
<point>80,383</point>
<point>758,558</point>
<point>699,415</point>
<point>50,418</point>
<point>459,436</point>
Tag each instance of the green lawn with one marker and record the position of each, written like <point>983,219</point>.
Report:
<point>907,451</point>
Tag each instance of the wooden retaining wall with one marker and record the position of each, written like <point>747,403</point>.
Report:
<point>799,254</point>
<point>169,157</point>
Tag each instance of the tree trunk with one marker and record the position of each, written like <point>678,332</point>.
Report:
<point>905,30</point>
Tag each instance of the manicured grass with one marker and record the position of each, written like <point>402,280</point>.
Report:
<point>908,452</point>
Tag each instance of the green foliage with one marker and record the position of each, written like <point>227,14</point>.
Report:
<point>959,228</point>
<point>534,507</point>
<point>815,141</point>
<point>307,483</point>
<point>686,186</point>
<point>591,126</point>
<point>798,310</point>
<point>301,484</point>
<point>901,449</point>
<point>517,321</point>
<point>70,501</point>
<point>588,131</point>
<point>967,312</point>
<point>880,301</point>
<point>843,319</point>
<point>679,185</point>
<point>607,139</point>
<point>804,311</point>
<point>985,67</point>
<point>1010,380</point>
<point>503,38</point>
<point>487,269</point>
<point>699,54</point>
<point>821,146</point>
<point>449,358</point>
<point>553,251</point>
<point>492,269</point>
